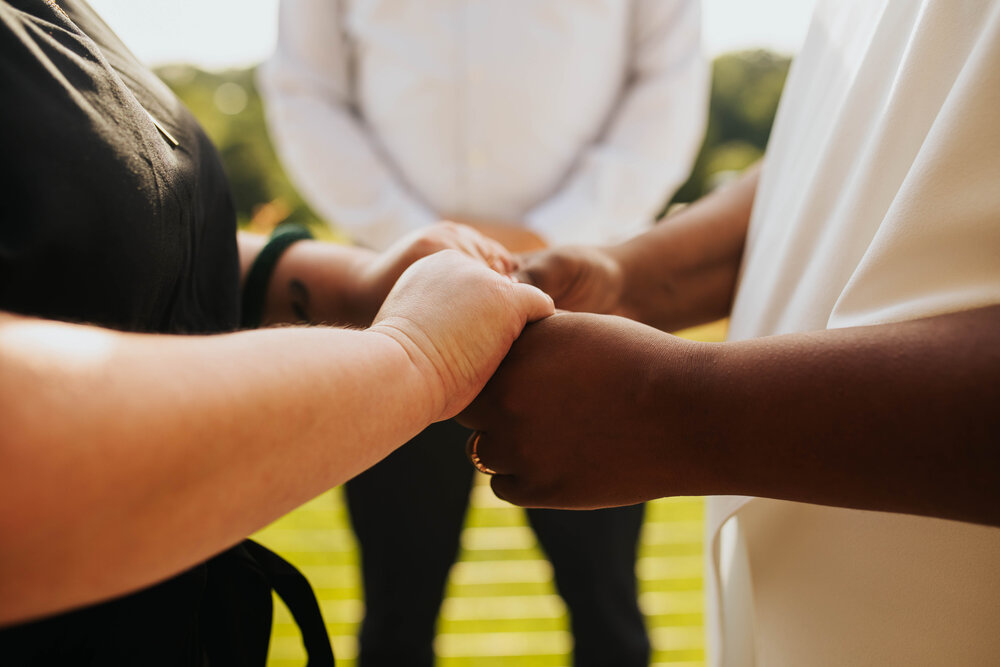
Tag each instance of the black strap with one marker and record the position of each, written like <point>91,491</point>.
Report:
<point>294,589</point>
<point>259,275</point>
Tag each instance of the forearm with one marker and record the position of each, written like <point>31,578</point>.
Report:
<point>205,438</point>
<point>898,417</point>
<point>684,271</point>
<point>315,282</point>
<point>328,283</point>
<point>595,411</point>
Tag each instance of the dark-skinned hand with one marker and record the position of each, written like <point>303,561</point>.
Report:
<point>378,277</point>
<point>583,411</point>
<point>578,278</point>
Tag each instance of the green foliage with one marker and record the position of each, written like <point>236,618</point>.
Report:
<point>745,91</point>
<point>230,109</point>
<point>746,87</point>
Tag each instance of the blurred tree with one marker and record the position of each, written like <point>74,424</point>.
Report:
<point>746,87</point>
<point>228,106</point>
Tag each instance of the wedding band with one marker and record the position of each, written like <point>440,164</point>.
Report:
<point>471,449</point>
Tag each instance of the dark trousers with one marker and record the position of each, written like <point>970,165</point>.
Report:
<point>408,512</point>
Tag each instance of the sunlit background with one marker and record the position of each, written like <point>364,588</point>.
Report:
<point>235,33</point>
<point>501,608</point>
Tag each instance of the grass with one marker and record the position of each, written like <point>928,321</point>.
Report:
<point>501,607</point>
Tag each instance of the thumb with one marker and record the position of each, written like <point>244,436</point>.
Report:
<point>552,271</point>
<point>523,275</point>
<point>532,302</point>
<point>531,269</point>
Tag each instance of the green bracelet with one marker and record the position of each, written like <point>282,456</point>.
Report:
<point>259,275</point>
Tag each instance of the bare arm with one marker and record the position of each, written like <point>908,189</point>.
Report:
<point>904,415</point>
<point>327,283</point>
<point>591,411</point>
<point>127,458</point>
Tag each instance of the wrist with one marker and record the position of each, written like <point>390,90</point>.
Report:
<point>656,288</point>
<point>316,282</point>
<point>734,388</point>
<point>429,387</point>
<point>257,283</point>
<point>621,281</point>
<point>363,291</point>
<point>692,382</point>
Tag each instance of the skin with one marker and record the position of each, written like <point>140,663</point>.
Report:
<point>679,274</point>
<point>107,435</point>
<point>324,283</point>
<point>592,410</point>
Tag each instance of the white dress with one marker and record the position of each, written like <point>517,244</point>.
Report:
<point>879,202</point>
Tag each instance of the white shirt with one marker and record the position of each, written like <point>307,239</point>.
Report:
<point>575,118</point>
<point>879,202</point>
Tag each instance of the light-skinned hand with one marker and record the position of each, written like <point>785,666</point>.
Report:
<point>457,319</point>
<point>381,273</point>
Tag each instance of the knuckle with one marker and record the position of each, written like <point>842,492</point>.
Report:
<point>426,244</point>
<point>449,229</point>
<point>504,487</point>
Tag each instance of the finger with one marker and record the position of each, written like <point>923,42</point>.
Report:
<point>484,413</point>
<point>507,488</point>
<point>467,243</point>
<point>526,271</point>
<point>472,453</point>
<point>498,259</point>
<point>492,254</point>
<point>492,459</point>
<point>533,302</point>
<point>504,259</point>
<point>490,251</point>
<point>536,267</point>
<point>478,415</point>
<point>504,262</point>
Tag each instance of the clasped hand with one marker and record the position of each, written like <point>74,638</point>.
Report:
<point>564,418</point>
<point>455,317</point>
<point>564,421</point>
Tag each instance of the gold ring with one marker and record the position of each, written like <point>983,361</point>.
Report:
<point>471,449</point>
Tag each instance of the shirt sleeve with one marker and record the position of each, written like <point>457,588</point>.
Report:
<point>621,181</point>
<point>323,142</point>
